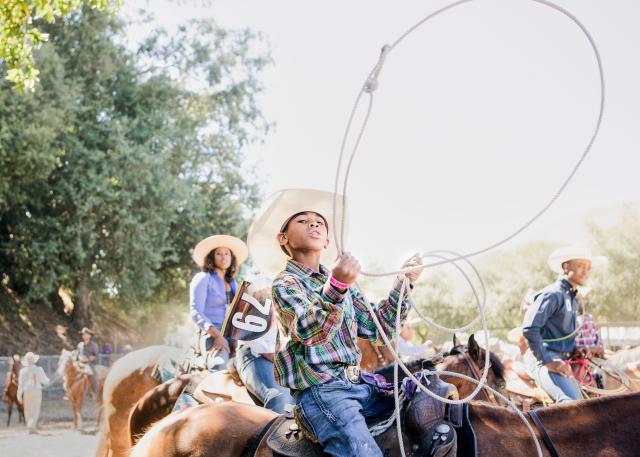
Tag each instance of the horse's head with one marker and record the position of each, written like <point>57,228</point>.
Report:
<point>65,358</point>
<point>469,360</point>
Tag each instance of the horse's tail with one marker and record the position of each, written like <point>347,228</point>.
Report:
<point>103,437</point>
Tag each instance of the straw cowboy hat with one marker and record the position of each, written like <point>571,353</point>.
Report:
<point>574,252</point>
<point>86,330</point>
<point>235,245</point>
<point>30,358</point>
<point>278,209</point>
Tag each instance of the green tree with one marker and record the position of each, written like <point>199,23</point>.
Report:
<point>125,159</point>
<point>20,33</point>
<point>446,298</point>
<point>616,292</point>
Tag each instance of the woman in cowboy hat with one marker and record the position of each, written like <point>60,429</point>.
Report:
<point>30,382</point>
<point>321,316</point>
<point>211,291</point>
<point>549,324</point>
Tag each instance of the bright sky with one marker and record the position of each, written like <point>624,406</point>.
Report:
<point>479,117</point>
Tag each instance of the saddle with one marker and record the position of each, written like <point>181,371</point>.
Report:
<point>428,429</point>
<point>219,386</point>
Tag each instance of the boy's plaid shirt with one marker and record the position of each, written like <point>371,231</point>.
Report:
<point>318,331</point>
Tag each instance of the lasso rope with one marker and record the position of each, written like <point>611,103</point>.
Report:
<point>368,88</point>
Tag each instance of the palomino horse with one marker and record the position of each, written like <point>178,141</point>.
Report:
<point>606,426</point>
<point>11,390</point>
<point>628,361</point>
<point>467,360</point>
<point>76,383</point>
<point>128,380</point>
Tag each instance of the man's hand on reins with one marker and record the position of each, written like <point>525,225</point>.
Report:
<point>559,367</point>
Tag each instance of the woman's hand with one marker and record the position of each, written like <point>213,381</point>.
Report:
<point>220,344</point>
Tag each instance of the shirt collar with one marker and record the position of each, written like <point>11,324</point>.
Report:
<point>566,285</point>
<point>304,270</point>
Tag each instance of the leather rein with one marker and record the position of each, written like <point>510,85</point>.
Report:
<point>477,374</point>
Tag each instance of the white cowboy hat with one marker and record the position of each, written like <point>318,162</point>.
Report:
<point>278,209</point>
<point>574,252</point>
<point>30,358</point>
<point>204,247</point>
<point>514,334</point>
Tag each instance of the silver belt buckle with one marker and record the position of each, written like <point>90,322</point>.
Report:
<point>353,373</point>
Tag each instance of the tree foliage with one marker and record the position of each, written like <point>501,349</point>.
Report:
<point>123,160</point>
<point>20,33</point>
<point>614,292</point>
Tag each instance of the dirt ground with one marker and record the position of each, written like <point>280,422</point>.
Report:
<point>55,438</point>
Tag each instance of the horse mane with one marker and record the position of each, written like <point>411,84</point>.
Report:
<point>621,358</point>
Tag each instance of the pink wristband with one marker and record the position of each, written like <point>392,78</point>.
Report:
<point>337,284</point>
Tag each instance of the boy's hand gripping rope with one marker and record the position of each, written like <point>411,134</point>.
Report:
<point>369,87</point>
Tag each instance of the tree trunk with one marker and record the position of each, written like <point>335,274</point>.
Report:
<point>82,307</point>
<point>56,303</point>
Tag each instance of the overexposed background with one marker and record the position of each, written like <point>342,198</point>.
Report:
<point>479,117</point>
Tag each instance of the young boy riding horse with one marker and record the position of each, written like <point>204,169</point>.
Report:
<point>321,317</point>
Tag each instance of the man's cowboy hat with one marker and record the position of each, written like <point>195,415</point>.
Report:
<point>278,209</point>
<point>30,358</point>
<point>574,252</point>
<point>235,245</point>
<point>86,330</point>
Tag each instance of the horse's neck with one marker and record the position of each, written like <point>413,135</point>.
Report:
<point>573,427</point>
<point>71,372</point>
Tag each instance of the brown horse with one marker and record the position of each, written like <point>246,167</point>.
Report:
<point>603,427</point>
<point>467,360</point>
<point>76,382</point>
<point>464,359</point>
<point>11,389</point>
<point>373,356</point>
<point>128,380</point>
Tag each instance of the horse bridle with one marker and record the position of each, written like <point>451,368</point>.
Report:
<point>477,373</point>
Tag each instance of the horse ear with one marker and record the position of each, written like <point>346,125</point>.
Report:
<point>456,341</point>
<point>473,348</point>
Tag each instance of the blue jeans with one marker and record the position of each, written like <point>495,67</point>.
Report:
<point>257,375</point>
<point>560,388</point>
<point>337,413</point>
<point>217,361</point>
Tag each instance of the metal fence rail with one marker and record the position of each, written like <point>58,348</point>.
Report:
<point>50,364</point>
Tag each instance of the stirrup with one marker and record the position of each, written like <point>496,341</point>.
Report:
<point>444,440</point>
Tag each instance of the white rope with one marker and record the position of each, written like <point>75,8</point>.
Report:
<point>372,80</point>
<point>369,87</point>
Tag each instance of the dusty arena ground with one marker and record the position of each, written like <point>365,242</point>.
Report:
<point>55,437</point>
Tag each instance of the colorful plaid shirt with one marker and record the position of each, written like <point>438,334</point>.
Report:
<point>589,334</point>
<point>318,330</point>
